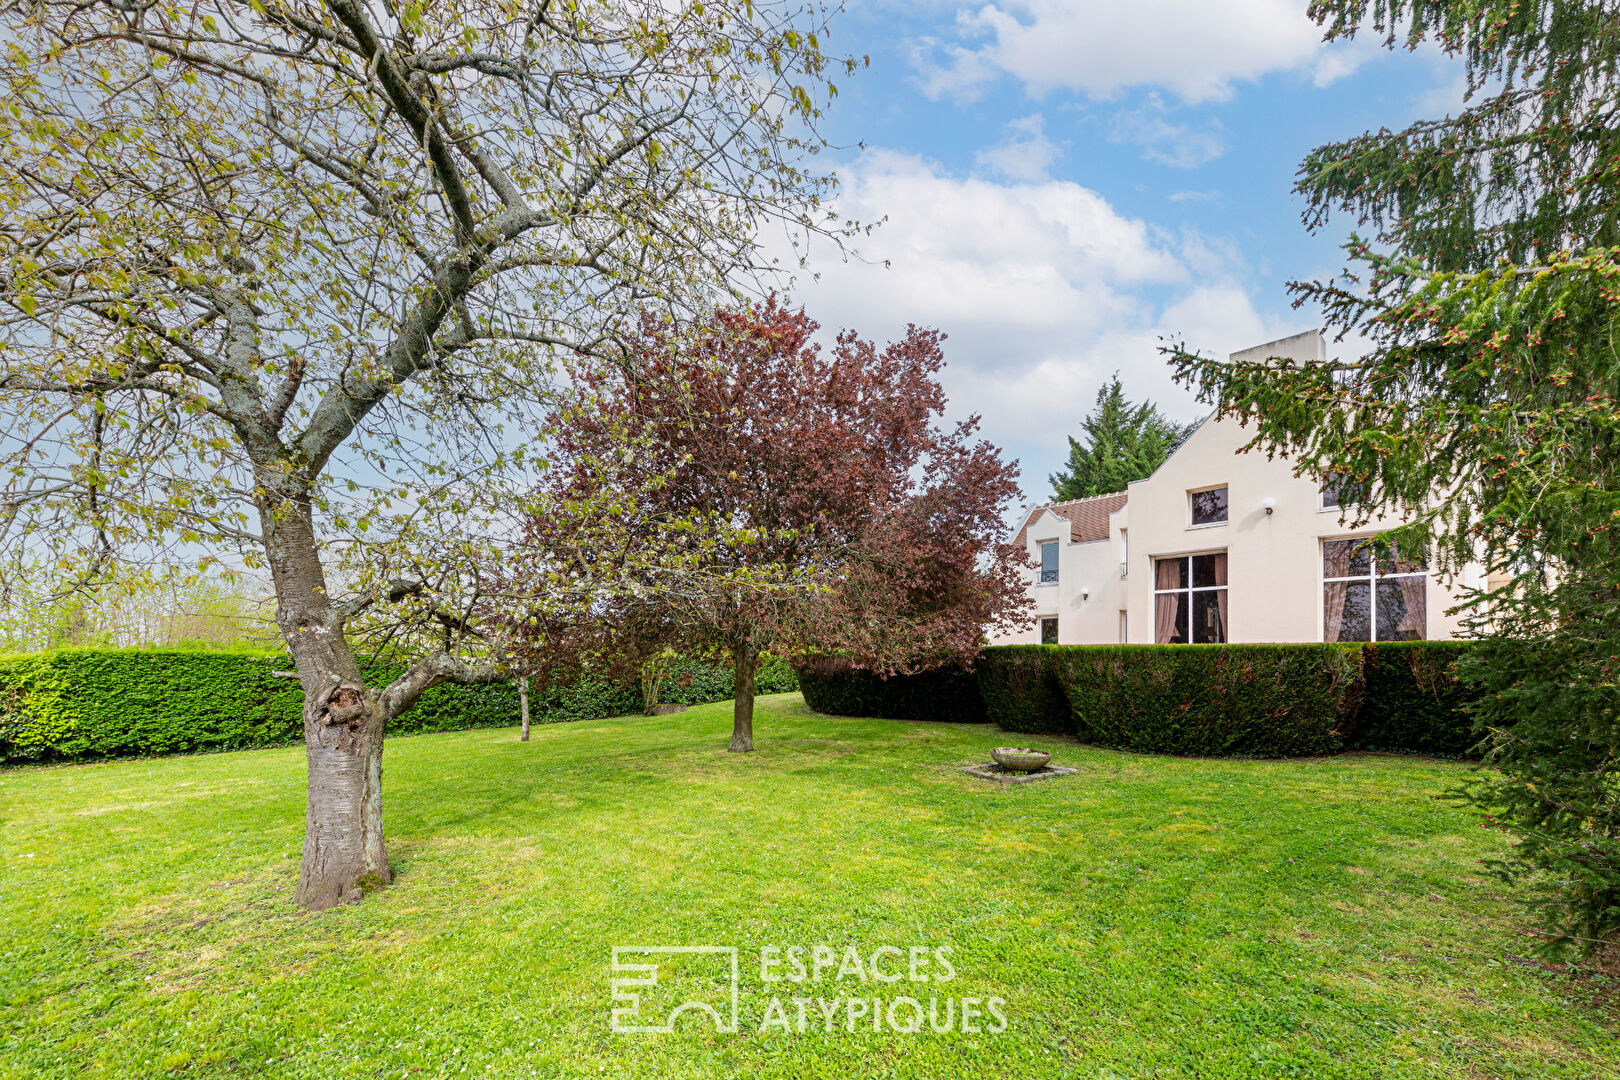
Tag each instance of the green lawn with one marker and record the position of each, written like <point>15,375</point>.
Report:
<point>1147,917</point>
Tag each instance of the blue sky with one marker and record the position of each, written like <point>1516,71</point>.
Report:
<point>1065,181</point>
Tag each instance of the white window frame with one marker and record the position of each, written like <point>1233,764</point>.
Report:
<point>1040,629</point>
<point>1153,569</point>
<point>1371,578</point>
<point>1191,524</point>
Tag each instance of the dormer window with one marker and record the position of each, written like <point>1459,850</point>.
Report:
<point>1208,506</point>
<point>1049,562</point>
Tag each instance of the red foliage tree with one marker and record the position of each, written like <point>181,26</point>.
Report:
<point>786,498</point>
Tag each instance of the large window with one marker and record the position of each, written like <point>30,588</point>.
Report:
<point>1049,562</point>
<point>1208,507</point>
<point>1049,632</point>
<point>1189,599</point>
<point>1372,599</point>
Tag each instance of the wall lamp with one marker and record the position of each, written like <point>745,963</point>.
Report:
<point>1269,503</point>
<point>1085,594</point>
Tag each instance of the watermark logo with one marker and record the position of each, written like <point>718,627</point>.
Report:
<point>804,988</point>
<point>679,979</point>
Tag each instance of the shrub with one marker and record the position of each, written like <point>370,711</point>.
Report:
<point>1251,700</point>
<point>1021,691</point>
<point>72,703</point>
<point>1413,699</point>
<point>833,685</point>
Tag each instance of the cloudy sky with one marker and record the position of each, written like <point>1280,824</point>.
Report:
<point>1065,182</point>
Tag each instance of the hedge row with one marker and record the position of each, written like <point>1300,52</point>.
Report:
<point>74,703</point>
<point>1021,690</point>
<point>1413,700</point>
<point>1260,700</point>
<point>1252,700</point>
<point>831,685</point>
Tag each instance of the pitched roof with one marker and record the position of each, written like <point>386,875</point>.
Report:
<point>1087,518</point>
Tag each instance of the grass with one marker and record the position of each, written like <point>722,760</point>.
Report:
<point>1146,917</point>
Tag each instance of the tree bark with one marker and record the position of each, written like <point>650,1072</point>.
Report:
<point>746,659</point>
<point>344,855</point>
<point>523,706</point>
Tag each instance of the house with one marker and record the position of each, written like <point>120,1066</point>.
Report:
<point>1221,546</point>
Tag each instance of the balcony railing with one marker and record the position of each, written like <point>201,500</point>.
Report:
<point>1048,576</point>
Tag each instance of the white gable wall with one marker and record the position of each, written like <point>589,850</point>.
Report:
<point>1092,568</point>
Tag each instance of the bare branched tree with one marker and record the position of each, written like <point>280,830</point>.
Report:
<point>281,281</point>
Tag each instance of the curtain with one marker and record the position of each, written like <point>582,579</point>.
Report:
<point>1335,563</point>
<point>1413,591</point>
<point>1166,605</point>
<point>1220,597</point>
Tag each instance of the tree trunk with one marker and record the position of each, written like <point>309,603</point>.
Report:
<point>344,854</point>
<point>742,709</point>
<point>523,706</point>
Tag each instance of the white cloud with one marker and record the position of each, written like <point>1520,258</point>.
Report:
<point>1044,290</point>
<point>1161,140</point>
<point>1025,154</point>
<point>1195,49</point>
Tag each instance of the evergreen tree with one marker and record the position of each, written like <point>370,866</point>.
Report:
<point>1489,285</point>
<point>1123,442</point>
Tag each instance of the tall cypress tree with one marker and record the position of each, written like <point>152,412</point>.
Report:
<point>1487,278</point>
<point>1123,442</point>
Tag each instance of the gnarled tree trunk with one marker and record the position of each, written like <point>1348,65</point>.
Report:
<point>746,658</point>
<point>343,720</point>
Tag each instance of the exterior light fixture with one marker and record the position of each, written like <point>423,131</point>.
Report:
<point>1085,594</point>
<point>1269,503</point>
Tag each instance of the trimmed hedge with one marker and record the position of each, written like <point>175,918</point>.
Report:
<point>74,703</point>
<point>1021,691</point>
<point>950,694</point>
<point>1252,700</point>
<point>1414,701</point>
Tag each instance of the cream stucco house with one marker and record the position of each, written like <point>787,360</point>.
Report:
<point>1222,546</point>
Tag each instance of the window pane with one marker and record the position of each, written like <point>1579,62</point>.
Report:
<point>1208,507</point>
<point>1395,561</point>
<point>1345,558</point>
<point>1401,609</point>
<point>1170,618</point>
<point>1049,561</point>
<point>1170,574</point>
<point>1209,616</point>
<point>1209,570</point>
<point>1346,611</point>
<point>1049,632</point>
<point>1336,558</point>
<point>1340,491</point>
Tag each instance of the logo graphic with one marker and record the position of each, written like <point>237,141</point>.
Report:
<point>699,978</point>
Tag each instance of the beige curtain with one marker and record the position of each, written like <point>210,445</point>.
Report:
<point>1414,591</point>
<point>1220,597</point>
<point>1166,605</point>
<point>1335,563</point>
